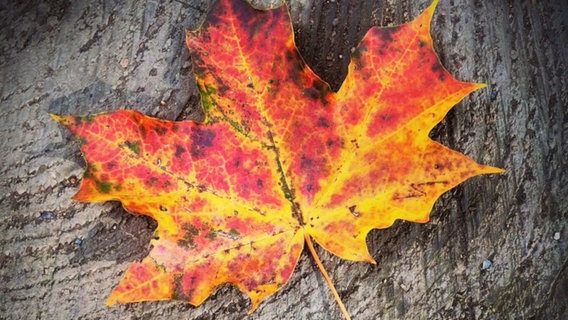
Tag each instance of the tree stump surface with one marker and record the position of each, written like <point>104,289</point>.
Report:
<point>496,246</point>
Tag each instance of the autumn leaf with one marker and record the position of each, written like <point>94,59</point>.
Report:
<point>280,158</point>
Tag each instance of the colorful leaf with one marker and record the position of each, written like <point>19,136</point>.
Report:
<point>280,158</point>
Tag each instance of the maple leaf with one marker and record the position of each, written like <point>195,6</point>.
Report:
<point>279,160</point>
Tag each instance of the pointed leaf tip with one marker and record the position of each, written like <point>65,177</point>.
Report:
<point>480,85</point>
<point>110,301</point>
<point>55,117</point>
<point>493,170</point>
<point>432,6</point>
<point>429,11</point>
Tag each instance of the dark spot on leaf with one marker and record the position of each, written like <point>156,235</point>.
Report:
<point>160,130</point>
<point>386,34</point>
<point>355,143</point>
<point>318,91</point>
<point>386,117</point>
<point>311,93</point>
<point>259,183</point>
<point>297,66</point>
<point>162,208</point>
<point>142,131</point>
<point>329,143</point>
<point>110,165</point>
<point>437,68</point>
<point>179,150</point>
<point>223,88</point>
<point>201,139</point>
<point>292,56</point>
<point>201,188</point>
<point>244,15</point>
<point>150,181</point>
<point>323,122</point>
<point>306,162</point>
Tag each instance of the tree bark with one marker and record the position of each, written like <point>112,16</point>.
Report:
<point>496,247</point>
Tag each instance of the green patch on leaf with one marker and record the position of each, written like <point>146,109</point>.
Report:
<point>88,118</point>
<point>133,145</point>
<point>234,232</point>
<point>103,186</point>
<point>211,235</point>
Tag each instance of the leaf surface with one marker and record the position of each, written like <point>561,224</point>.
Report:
<point>279,159</point>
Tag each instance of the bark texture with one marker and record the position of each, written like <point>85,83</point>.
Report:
<point>496,246</point>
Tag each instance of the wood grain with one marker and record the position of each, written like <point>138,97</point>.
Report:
<point>496,246</point>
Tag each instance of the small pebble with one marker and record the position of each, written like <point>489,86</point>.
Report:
<point>21,188</point>
<point>486,264</point>
<point>47,215</point>
<point>124,62</point>
<point>493,95</point>
<point>72,180</point>
<point>557,236</point>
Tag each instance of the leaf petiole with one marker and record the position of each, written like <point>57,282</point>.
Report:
<point>326,277</point>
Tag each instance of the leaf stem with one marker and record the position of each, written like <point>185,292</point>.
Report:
<point>326,277</point>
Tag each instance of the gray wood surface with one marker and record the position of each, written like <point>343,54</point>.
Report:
<point>495,248</point>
